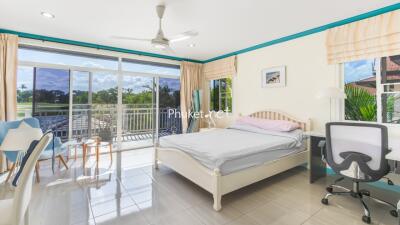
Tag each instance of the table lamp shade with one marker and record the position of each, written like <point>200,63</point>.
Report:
<point>20,138</point>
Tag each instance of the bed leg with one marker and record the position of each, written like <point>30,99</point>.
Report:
<point>156,158</point>
<point>217,190</point>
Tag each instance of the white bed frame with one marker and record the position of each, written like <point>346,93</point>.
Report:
<point>217,184</point>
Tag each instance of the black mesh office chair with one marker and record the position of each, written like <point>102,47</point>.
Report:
<point>357,151</point>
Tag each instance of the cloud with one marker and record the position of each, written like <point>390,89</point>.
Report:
<point>358,70</point>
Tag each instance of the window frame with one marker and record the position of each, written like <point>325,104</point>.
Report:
<point>379,91</point>
<point>219,99</point>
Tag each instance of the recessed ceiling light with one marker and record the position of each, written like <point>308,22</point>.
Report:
<point>47,15</point>
<point>192,45</point>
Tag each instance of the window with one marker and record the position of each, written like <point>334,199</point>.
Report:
<point>24,91</point>
<point>373,90</point>
<point>105,88</point>
<point>221,95</point>
<point>131,65</point>
<point>59,57</point>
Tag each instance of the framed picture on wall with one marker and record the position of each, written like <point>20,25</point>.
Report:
<point>273,77</point>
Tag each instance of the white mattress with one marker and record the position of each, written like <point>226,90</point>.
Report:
<point>235,148</point>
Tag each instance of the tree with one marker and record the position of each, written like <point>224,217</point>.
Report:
<point>359,104</point>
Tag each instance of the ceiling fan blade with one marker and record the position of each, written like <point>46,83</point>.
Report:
<point>130,38</point>
<point>183,36</point>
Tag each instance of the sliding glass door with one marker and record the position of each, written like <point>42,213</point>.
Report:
<point>81,105</point>
<point>81,95</point>
<point>51,100</point>
<point>169,103</point>
<point>138,110</point>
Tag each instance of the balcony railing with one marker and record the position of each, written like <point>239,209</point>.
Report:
<point>138,121</point>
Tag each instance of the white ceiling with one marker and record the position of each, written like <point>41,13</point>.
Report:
<point>224,26</point>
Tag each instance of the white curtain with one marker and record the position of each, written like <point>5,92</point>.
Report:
<point>374,37</point>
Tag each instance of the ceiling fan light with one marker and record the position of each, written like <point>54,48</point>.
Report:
<point>47,15</point>
<point>159,46</point>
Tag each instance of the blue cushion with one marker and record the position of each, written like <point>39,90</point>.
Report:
<point>5,126</point>
<point>24,160</point>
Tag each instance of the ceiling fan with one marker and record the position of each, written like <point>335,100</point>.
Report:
<point>160,41</point>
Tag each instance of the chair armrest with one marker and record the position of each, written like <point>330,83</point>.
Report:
<point>356,155</point>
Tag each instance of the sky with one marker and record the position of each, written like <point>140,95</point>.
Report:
<point>358,70</point>
<point>101,81</point>
<point>52,79</point>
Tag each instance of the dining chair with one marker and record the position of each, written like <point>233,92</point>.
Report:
<point>47,154</point>
<point>15,211</point>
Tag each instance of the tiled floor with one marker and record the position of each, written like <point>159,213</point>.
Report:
<point>129,191</point>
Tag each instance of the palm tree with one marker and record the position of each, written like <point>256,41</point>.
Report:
<point>359,104</point>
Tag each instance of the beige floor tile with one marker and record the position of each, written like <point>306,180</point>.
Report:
<point>161,206</point>
<point>61,210</point>
<point>113,205</point>
<point>184,189</point>
<point>389,220</point>
<point>243,220</point>
<point>275,213</point>
<point>129,215</point>
<point>301,201</point>
<point>334,216</point>
<point>244,200</point>
<point>179,218</point>
<point>207,215</point>
<point>136,193</point>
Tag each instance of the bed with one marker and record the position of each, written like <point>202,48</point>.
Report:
<point>229,159</point>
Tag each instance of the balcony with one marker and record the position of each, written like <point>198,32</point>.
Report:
<point>138,121</point>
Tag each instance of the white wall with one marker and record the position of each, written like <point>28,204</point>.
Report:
<point>307,73</point>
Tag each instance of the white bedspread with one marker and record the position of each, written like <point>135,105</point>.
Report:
<point>214,148</point>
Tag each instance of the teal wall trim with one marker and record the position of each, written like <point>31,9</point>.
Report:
<point>311,31</point>
<point>96,46</point>
<point>252,48</point>
<point>377,184</point>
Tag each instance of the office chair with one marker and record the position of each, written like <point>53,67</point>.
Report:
<point>357,151</point>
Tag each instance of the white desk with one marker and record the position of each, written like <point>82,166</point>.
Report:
<point>394,145</point>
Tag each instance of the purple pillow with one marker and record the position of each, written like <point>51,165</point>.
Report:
<point>274,125</point>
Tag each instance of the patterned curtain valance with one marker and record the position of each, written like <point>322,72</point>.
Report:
<point>374,37</point>
<point>223,68</point>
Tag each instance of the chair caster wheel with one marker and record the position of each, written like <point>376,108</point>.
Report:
<point>365,193</point>
<point>329,189</point>
<point>324,201</point>
<point>366,219</point>
<point>394,213</point>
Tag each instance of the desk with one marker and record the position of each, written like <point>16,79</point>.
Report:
<point>394,145</point>
<point>317,166</point>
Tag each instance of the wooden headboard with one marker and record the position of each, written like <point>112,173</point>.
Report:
<point>305,125</point>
